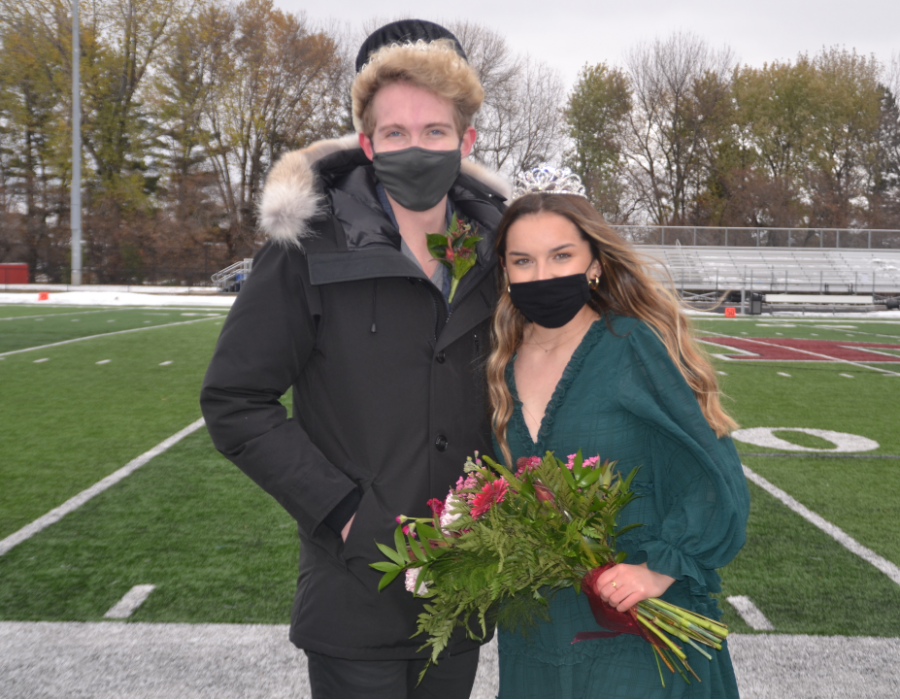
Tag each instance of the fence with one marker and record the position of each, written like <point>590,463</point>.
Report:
<point>747,237</point>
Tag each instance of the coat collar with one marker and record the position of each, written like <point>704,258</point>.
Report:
<point>294,195</point>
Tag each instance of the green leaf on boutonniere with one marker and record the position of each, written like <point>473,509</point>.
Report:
<point>455,249</point>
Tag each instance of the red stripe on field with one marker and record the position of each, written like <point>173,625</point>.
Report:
<point>787,349</point>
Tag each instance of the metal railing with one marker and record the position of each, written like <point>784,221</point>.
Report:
<point>233,275</point>
<point>760,236</point>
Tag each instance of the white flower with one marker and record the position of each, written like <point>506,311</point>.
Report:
<point>453,508</point>
<point>412,577</point>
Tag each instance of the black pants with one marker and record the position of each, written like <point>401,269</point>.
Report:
<point>331,677</point>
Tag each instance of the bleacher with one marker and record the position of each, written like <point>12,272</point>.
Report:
<point>780,269</point>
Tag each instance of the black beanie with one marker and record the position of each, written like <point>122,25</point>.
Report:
<point>403,32</point>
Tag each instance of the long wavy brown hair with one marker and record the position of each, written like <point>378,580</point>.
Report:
<point>627,287</point>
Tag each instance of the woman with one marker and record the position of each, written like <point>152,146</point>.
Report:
<point>592,353</point>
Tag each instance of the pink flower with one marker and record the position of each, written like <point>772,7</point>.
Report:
<point>492,493</point>
<point>464,484</point>
<point>527,464</point>
<point>589,462</point>
<point>450,255</point>
<point>412,582</point>
<point>437,507</point>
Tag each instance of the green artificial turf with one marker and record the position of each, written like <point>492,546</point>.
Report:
<point>220,550</point>
<point>53,328</point>
<point>217,548</point>
<point>862,331</point>
<point>814,396</point>
<point>68,422</point>
<point>23,311</point>
<point>803,581</point>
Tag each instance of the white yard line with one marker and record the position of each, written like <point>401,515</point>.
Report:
<point>889,569</point>
<point>131,601</point>
<point>7,543</point>
<point>749,612</point>
<point>74,313</point>
<point>806,352</point>
<point>104,335</point>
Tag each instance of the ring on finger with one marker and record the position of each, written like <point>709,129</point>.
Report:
<point>614,584</point>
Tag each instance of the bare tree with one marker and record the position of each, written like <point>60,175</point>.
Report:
<point>667,123</point>
<point>519,124</point>
<point>281,93</point>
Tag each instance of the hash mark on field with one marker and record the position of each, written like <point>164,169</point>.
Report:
<point>166,363</point>
<point>849,376</point>
<point>7,543</point>
<point>724,374</point>
<point>749,612</point>
<point>76,320</point>
<point>130,602</point>
<point>782,374</point>
<point>889,569</point>
<point>43,359</point>
<point>103,335</point>
<point>103,362</point>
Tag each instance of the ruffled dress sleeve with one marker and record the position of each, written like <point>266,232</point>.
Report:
<point>700,492</point>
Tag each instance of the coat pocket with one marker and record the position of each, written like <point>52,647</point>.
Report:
<point>371,524</point>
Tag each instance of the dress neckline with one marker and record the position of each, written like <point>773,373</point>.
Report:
<point>573,367</point>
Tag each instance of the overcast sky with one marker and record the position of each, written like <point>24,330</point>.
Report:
<point>566,34</point>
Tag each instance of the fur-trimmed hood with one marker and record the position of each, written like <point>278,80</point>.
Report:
<point>291,198</point>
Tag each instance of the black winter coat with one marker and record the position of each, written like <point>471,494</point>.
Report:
<point>389,396</point>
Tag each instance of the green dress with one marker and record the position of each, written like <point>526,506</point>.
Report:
<point>622,397</point>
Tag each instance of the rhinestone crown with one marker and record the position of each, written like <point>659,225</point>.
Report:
<point>548,179</point>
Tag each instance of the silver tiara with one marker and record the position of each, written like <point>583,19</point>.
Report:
<point>546,179</point>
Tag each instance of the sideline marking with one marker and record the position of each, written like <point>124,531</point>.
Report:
<point>889,569</point>
<point>41,317</point>
<point>103,335</point>
<point>7,543</point>
<point>131,601</point>
<point>829,358</point>
<point>749,612</point>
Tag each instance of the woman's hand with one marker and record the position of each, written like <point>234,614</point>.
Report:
<point>625,585</point>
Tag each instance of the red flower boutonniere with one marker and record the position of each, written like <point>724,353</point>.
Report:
<point>455,249</point>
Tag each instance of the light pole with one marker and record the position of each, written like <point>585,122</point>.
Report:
<point>75,205</point>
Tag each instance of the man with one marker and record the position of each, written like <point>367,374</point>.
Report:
<point>347,306</point>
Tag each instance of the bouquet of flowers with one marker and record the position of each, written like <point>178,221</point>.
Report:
<point>455,249</point>
<point>501,542</point>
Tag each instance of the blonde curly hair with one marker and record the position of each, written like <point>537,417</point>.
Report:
<point>434,66</point>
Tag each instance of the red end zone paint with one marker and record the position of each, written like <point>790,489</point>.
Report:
<point>787,349</point>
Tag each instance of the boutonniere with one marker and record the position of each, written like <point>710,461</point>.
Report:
<point>455,249</point>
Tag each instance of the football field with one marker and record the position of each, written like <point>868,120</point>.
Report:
<point>103,402</point>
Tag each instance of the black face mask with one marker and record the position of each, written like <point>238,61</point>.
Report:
<point>417,178</point>
<point>553,302</point>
